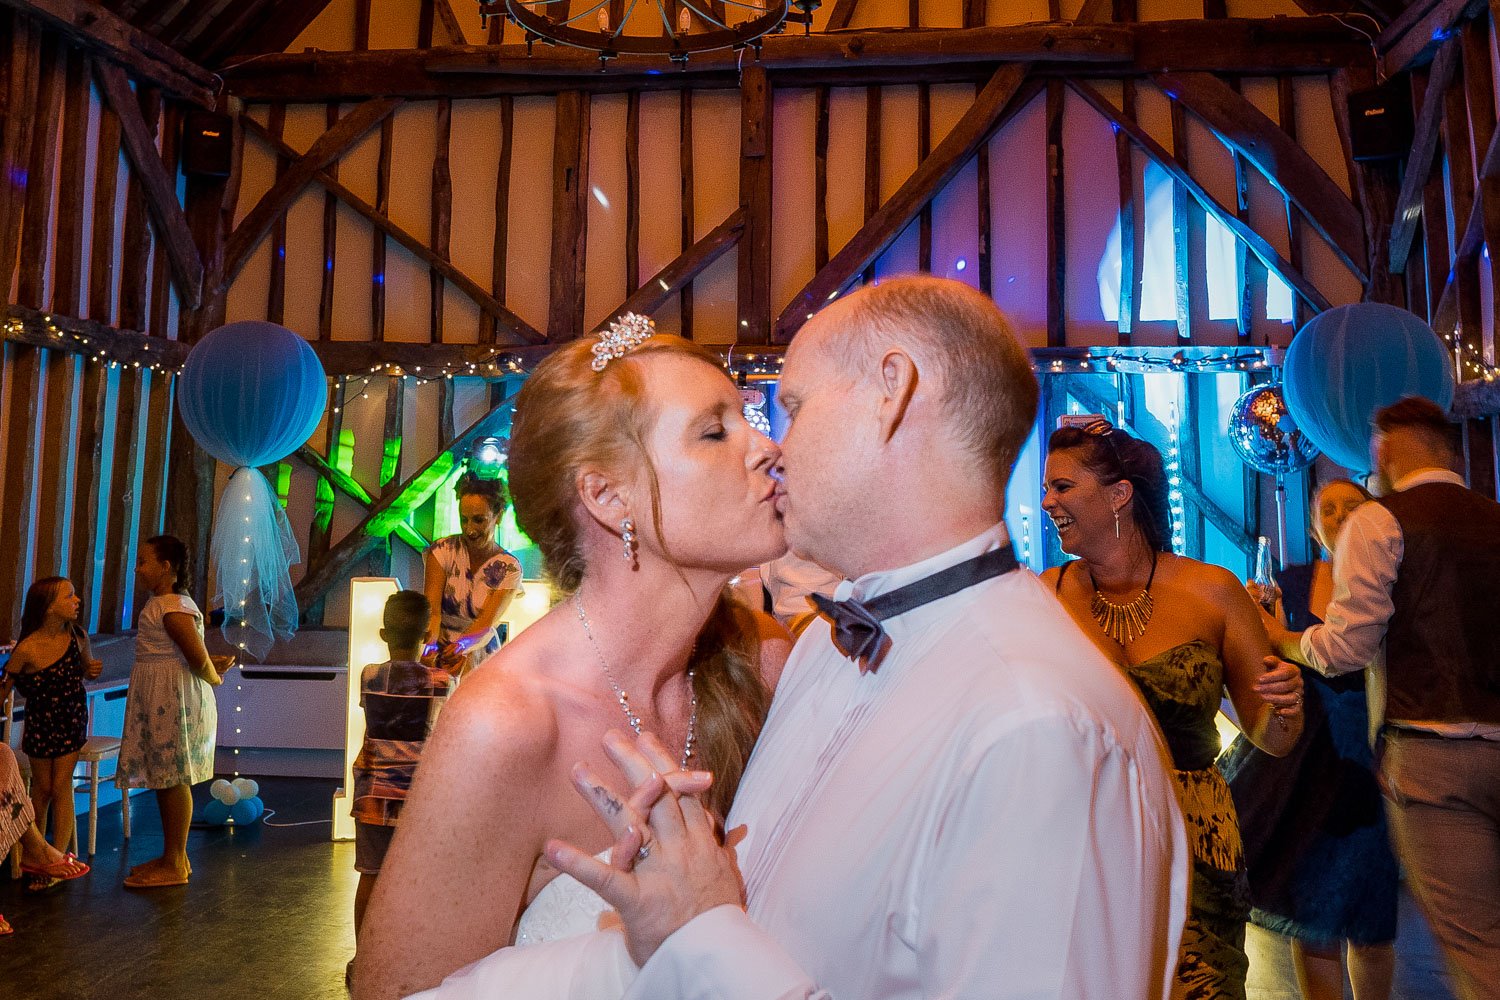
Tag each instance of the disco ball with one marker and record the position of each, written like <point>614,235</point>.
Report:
<point>1264,434</point>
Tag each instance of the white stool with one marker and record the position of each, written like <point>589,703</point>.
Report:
<point>97,750</point>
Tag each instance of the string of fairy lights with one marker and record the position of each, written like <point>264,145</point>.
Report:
<point>1468,358</point>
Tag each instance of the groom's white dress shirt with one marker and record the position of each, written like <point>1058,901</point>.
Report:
<point>986,815</point>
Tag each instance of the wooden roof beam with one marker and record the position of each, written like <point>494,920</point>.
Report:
<point>93,27</point>
<point>504,318</point>
<point>1257,245</point>
<point>1289,167</point>
<point>301,172</point>
<point>1265,47</point>
<point>1414,37</point>
<point>167,217</point>
<point>1001,98</point>
<point>1423,155</point>
<point>667,282</point>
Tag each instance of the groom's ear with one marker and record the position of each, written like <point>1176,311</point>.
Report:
<point>602,498</point>
<point>897,382</point>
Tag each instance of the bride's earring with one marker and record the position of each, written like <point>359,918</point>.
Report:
<point>1117,523</point>
<point>627,535</point>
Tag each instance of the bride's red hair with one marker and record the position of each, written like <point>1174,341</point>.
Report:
<point>569,416</point>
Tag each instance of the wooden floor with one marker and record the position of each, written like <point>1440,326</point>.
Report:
<point>269,913</point>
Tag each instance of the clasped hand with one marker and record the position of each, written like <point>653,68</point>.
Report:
<point>668,863</point>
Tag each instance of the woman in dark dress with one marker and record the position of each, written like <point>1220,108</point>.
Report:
<point>1186,633</point>
<point>1320,864</point>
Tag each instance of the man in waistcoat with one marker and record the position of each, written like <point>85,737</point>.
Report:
<point>1417,600</point>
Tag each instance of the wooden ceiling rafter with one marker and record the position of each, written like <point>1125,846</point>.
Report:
<point>103,33</point>
<point>1413,38</point>
<point>656,291</point>
<point>505,320</point>
<point>174,235</point>
<point>301,172</point>
<point>1289,167</point>
<point>1266,47</point>
<point>1257,244</point>
<point>1423,155</point>
<point>1007,92</point>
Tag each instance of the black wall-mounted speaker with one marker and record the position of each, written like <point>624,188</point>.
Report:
<point>206,144</point>
<point>1380,122</point>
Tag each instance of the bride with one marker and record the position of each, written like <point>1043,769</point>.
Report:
<point>633,469</point>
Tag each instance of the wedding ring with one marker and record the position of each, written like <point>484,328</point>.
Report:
<point>1299,698</point>
<point>643,853</point>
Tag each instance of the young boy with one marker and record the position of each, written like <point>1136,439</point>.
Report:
<point>401,699</point>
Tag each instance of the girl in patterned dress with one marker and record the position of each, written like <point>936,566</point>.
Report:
<point>51,660</point>
<point>170,718</point>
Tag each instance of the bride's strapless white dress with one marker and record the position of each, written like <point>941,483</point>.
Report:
<point>564,908</point>
<point>545,964</point>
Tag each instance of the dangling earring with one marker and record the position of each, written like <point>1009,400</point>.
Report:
<point>627,535</point>
<point>1117,523</point>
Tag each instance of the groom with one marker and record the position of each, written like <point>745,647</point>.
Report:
<point>955,794</point>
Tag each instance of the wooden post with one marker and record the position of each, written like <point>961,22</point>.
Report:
<point>872,162</point>
<point>15,142</point>
<point>689,232</point>
<point>442,211</point>
<point>1125,177</point>
<point>86,488</point>
<point>330,239</point>
<point>135,247</point>
<point>67,285</point>
<point>487,326</point>
<point>1057,253</point>
<point>570,185</point>
<point>18,491</point>
<point>754,312</point>
<point>820,181</point>
<point>632,191</point>
<point>276,285</point>
<point>1287,116</point>
<point>377,244</point>
<point>924,150</point>
<point>1181,237</point>
<point>36,227</point>
<point>986,228</point>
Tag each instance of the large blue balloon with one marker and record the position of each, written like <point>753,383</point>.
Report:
<point>251,393</point>
<point>1350,361</point>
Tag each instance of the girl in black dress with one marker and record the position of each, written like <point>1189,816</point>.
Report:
<point>51,660</point>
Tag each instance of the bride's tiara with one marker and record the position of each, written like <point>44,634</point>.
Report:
<point>620,338</point>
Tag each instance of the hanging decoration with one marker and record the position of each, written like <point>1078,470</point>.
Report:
<point>1350,361</point>
<point>694,26</point>
<point>1264,434</point>
<point>251,393</point>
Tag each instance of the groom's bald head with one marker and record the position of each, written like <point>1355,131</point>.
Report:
<point>960,341</point>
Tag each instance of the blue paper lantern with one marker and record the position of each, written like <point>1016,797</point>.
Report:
<point>251,393</point>
<point>215,813</point>
<point>1350,361</point>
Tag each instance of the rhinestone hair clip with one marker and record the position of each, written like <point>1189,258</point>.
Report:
<point>620,338</point>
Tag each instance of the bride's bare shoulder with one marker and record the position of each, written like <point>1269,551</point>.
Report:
<point>505,707</point>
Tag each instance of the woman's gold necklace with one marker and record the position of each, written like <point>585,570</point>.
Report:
<point>1124,623</point>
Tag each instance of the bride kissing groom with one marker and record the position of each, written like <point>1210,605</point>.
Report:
<point>952,793</point>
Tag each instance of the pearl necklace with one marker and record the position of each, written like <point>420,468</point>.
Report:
<point>624,699</point>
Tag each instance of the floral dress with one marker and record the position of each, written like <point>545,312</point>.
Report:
<point>1182,687</point>
<point>171,720</point>
<point>57,706</point>
<point>466,588</point>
